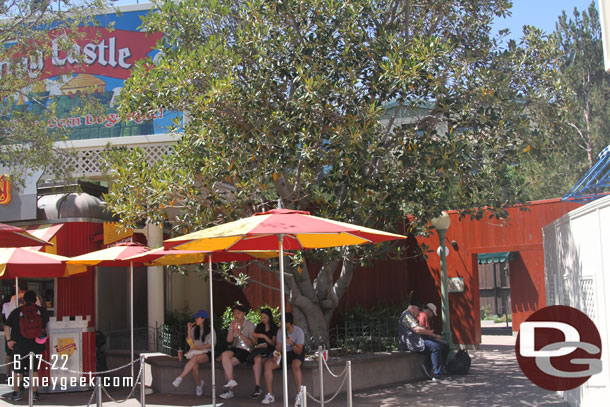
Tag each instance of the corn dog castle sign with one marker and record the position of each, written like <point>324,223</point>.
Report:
<point>93,66</point>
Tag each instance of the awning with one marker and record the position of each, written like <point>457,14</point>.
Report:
<point>500,257</point>
<point>45,232</point>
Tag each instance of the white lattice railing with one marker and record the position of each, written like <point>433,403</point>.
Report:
<point>87,162</point>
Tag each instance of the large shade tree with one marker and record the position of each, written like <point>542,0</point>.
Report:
<point>26,29</point>
<point>569,101</point>
<point>364,111</point>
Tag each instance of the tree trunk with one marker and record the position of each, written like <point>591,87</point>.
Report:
<point>314,303</point>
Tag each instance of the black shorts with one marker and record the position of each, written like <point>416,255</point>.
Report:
<point>293,356</point>
<point>240,354</point>
<point>7,350</point>
<point>21,363</point>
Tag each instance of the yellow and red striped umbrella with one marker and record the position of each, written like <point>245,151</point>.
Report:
<point>22,262</point>
<point>13,236</point>
<point>299,230</point>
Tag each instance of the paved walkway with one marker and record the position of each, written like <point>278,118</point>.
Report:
<point>494,380</point>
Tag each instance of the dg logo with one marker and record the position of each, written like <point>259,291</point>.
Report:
<point>559,348</point>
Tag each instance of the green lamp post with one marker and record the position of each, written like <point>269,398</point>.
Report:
<point>441,224</point>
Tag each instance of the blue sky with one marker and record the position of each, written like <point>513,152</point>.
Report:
<point>540,13</point>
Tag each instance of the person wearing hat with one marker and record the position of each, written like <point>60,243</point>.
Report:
<point>200,338</point>
<point>428,311</point>
<point>265,335</point>
<point>240,344</point>
<point>416,338</point>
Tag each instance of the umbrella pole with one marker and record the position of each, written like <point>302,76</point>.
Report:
<point>283,313</point>
<point>212,358</point>
<point>131,310</point>
<point>16,292</point>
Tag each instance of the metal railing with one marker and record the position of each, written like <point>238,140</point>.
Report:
<point>353,336</point>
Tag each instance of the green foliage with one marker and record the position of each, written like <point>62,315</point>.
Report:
<point>567,101</point>
<point>502,318</point>
<point>360,111</point>
<point>486,313</point>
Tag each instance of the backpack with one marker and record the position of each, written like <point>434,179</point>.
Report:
<point>460,364</point>
<point>30,321</point>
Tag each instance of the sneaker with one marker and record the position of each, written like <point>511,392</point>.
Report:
<point>14,396</point>
<point>230,384</point>
<point>439,378</point>
<point>297,402</point>
<point>177,381</point>
<point>268,399</point>
<point>199,389</point>
<point>227,395</point>
<point>426,371</point>
<point>256,393</point>
<point>36,396</point>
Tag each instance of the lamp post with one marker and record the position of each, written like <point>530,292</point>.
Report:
<point>441,224</point>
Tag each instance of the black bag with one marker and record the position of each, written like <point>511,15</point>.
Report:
<point>460,364</point>
<point>262,352</point>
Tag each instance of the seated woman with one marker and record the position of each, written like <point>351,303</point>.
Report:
<point>201,338</point>
<point>265,334</point>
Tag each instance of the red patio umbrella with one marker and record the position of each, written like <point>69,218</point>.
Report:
<point>13,236</point>
<point>161,257</point>
<point>21,262</point>
<point>114,256</point>
<point>279,229</point>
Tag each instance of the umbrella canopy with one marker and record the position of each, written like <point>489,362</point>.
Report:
<point>279,229</point>
<point>162,257</point>
<point>114,256</point>
<point>13,236</point>
<point>299,229</point>
<point>20,262</point>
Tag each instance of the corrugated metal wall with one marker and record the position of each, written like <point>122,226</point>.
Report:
<point>76,294</point>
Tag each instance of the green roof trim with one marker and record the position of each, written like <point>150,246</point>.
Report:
<point>485,258</point>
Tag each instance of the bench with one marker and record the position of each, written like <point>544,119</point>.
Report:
<point>368,370</point>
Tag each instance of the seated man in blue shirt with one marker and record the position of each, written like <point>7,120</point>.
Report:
<point>294,358</point>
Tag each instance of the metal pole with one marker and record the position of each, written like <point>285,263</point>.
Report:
<point>303,396</point>
<point>16,292</point>
<point>212,356</point>
<point>31,374</point>
<point>283,314</point>
<point>99,392</point>
<point>444,288</point>
<point>131,311</point>
<point>349,383</point>
<point>321,370</point>
<point>143,381</point>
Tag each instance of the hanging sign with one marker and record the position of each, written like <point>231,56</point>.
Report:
<point>5,189</point>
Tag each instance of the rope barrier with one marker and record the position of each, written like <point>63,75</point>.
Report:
<point>331,372</point>
<point>311,397</point>
<point>336,376</point>
<point>135,384</point>
<point>91,398</point>
<point>65,369</point>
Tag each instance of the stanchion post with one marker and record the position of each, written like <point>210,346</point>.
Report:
<point>303,396</point>
<point>99,391</point>
<point>349,383</point>
<point>31,374</point>
<point>321,369</point>
<point>143,381</point>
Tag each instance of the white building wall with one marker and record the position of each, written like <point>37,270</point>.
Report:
<point>577,272</point>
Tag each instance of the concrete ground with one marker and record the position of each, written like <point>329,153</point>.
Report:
<point>494,380</point>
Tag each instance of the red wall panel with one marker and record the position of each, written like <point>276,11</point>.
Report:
<point>76,294</point>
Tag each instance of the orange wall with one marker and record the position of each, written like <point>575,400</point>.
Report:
<point>522,234</point>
